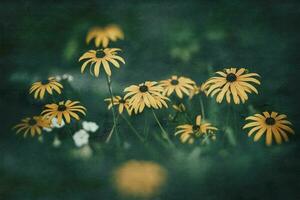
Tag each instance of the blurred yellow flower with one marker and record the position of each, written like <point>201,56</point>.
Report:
<point>103,36</point>
<point>190,131</point>
<point>179,108</point>
<point>145,94</point>
<point>232,82</point>
<point>180,85</point>
<point>99,57</point>
<point>40,87</point>
<point>34,125</point>
<point>121,102</point>
<point>197,89</point>
<point>66,109</point>
<point>140,179</point>
<point>273,124</point>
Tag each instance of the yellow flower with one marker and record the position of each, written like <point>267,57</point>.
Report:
<point>103,57</point>
<point>273,124</point>
<point>197,90</point>
<point>114,32</point>
<point>145,94</point>
<point>190,131</point>
<point>179,108</point>
<point>140,179</point>
<point>66,109</point>
<point>117,100</point>
<point>33,124</point>
<point>179,85</point>
<point>39,88</point>
<point>232,82</point>
<point>104,35</point>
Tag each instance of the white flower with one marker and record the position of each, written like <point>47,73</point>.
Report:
<point>90,126</point>
<point>81,138</point>
<point>56,142</point>
<point>47,129</point>
<point>55,123</point>
<point>83,153</point>
<point>68,77</point>
<point>58,78</point>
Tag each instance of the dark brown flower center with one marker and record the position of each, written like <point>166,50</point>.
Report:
<point>44,82</point>
<point>121,101</point>
<point>174,82</point>
<point>196,127</point>
<point>231,77</point>
<point>61,108</point>
<point>270,121</point>
<point>100,54</point>
<point>143,88</point>
<point>32,122</point>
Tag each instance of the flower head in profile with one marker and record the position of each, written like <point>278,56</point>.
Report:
<point>39,88</point>
<point>101,57</point>
<point>232,83</point>
<point>90,126</point>
<point>120,102</point>
<point>270,123</point>
<point>64,111</point>
<point>139,179</point>
<point>33,125</point>
<point>147,94</point>
<point>81,138</point>
<point>188,132</point>
<point>179,85</point>
<point>179,108</point>
<point>103,36</point>
<point>198,89</point>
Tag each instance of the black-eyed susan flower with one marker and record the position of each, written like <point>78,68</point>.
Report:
<point>147,94</point>
<point>33,125</point>
<point>180,85</point>
<point>101,57</point>
<point>40,87</point>
<point>188,132</point>
<point>66,110</point>
<point>233,82</point>
<point>179,108</point>
<point>103,36</point>
<point>140,179</point>
<point>271,124</point>
<point>120,102</point>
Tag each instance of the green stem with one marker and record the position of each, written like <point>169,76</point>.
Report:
<point>164,133</point>
<point>228,129</point>
<point>202,107</point>
<point>132,128</point>
<point>114,129</point>
<point>111,131</point>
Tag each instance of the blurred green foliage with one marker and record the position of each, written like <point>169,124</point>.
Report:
<point>191,38</point>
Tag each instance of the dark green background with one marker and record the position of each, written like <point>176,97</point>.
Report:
<point>43,38</point>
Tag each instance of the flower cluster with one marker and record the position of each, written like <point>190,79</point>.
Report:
<point>235,85</point>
